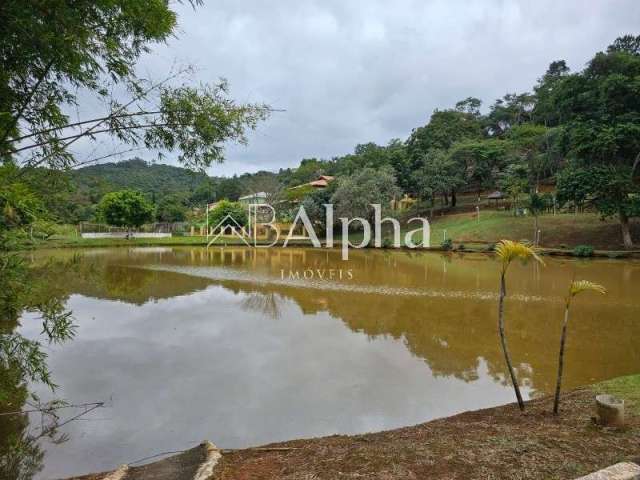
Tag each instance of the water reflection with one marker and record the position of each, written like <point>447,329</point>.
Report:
<point>238,346</point>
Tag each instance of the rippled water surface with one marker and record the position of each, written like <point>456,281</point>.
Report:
<point>244,346</point>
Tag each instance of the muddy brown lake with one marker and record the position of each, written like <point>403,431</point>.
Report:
<point>248,346</point>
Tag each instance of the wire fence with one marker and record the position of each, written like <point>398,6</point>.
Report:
<point>165,227</point>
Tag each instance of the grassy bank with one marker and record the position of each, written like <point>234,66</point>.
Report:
<point>558,232</point>
<point>495,443</point>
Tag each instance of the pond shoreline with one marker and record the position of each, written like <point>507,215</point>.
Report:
<point>498,442</point>
<point>460,248</point>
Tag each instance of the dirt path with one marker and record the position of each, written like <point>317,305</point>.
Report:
<point>496,443</point>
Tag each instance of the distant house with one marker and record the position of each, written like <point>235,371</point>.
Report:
<point>254,199</point>
<point>322,181</point>
<point>297,193</point>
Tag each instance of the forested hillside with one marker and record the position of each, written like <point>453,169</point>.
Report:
<point>72,196</point>
<point>154,180</point>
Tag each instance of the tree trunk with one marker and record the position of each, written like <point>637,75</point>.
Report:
<point>535,230</point>
<point>446,198</point>
<point>453,198</point>
<point>563,338</point>
<point>503,342</point>
<point>626,232</point>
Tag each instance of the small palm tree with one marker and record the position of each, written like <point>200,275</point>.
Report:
<point>575,288</point>
<point>507,251</point>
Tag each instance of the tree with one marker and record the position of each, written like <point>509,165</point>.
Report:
<point>445,127</point>
<point>308,170</point>
<point>355,194</point>
<point>171,209</point>
<point>610,189</point>
<point>52,54</point>
<point>403,165</point>
<point>203,193</point>
<point>470,105</point>
<point>600,112</point>
<point>511,110</point>
<point>544,111</point>
<point>480,162</point>
<point>19,206</point>
<point>508,251</point>
<point>229,189</point>
<point>576,288</point>
<point>314,204</point>
<point>439,176</point>
<point>626,43</point>
<point>537,147</point>
<point>219,215</point>
<point>265,182</point>
<point>536,205</point>
<point>514,181</point>
<point>125,208</point>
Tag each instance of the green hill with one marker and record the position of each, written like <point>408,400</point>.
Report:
<point>154,180</point>
<point>72,196</point>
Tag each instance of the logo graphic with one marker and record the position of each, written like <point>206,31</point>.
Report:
<point>228,225</point>
<point>266,234</point>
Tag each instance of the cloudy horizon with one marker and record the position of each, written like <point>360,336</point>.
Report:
<point>354,72</point>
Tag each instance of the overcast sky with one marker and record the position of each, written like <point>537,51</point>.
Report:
<point>354,71</point>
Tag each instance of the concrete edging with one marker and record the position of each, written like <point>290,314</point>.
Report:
<point>619,471</point>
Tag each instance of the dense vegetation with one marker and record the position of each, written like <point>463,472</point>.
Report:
<point>577,131</point>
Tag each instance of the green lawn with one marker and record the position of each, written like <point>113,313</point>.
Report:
<point>557,231</point>
<point>626,388</point>
<point>562,230</point>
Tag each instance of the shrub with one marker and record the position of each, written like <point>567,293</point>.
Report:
<point>126,208</point>
<point>447,244</point>
<point>583,251</point>
<point>223,210</point>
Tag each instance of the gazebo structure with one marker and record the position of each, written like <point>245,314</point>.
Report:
<point>496,197</point>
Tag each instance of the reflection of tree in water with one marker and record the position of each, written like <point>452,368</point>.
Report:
<point>265,303</point>
<point>113,281</point>
<point>454,336</point>
<point>23,360</point>
<point>20,455</point>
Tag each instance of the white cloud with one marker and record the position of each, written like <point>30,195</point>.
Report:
<point>358,71</point>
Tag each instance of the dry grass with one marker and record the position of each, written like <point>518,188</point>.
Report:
<point>496,443</point>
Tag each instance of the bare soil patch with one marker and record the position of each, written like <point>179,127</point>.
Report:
<point>495,443</point>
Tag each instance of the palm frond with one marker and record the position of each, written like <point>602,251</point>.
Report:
<point>580,286</point>
<point>508,250</point>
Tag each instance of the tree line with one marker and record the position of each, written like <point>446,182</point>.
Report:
<point>577,131</point>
